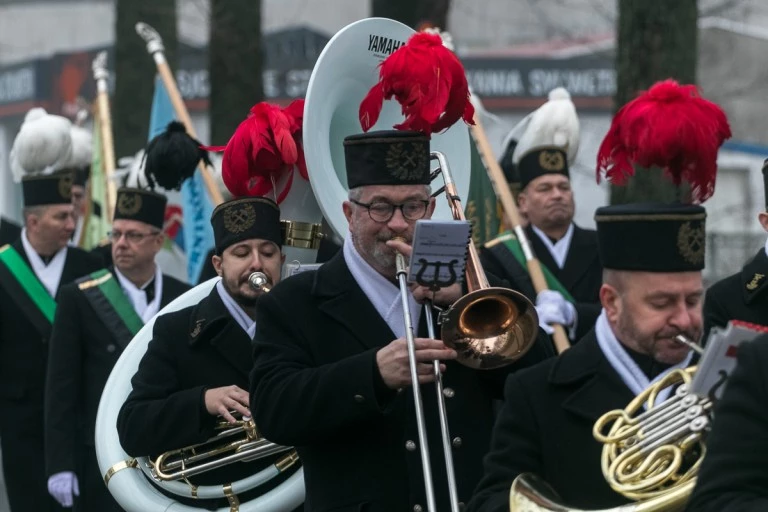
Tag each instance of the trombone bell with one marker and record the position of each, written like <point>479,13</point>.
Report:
<point>489,328</point>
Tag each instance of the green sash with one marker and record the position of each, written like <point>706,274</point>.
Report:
<point>28,281</point>
<point>111,304</point>
<point>513,244</point>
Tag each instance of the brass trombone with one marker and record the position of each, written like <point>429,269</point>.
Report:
<point>488,327</point>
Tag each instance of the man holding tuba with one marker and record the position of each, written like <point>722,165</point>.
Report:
<point>652,291</point>
<point>744,295</point>
<point>195,371</point>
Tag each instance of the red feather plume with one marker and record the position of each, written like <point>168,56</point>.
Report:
<point>428,81</point>
<point>264,150</point>
<point>672,127</point>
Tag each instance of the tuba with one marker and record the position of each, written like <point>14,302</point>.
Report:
<point>130,480</point>
<point>488,327</point>
<point>652,450</point>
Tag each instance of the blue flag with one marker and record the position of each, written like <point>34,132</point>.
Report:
<point>196,234</point>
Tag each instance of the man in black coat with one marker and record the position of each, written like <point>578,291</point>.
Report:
<point>98,315</point>
<point>734,474</point>
<point>328,377</point>
<point>568,252</point>
<point>653,255</point>
<point>743,295</point>
<point>33,269</point>
<point>195,370</point>
<point>9,231</point>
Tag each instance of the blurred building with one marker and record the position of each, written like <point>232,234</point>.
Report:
<point>515,52</point>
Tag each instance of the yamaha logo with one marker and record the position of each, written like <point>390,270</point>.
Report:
<point>383,46</point>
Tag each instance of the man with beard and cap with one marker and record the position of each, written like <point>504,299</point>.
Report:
<point>652,291</point>
<point>98,315</point>
<point>33,269</point>
<point>194,373</point>
<point>336,383</point>
<point>743,295</point>
<point>548,143</point>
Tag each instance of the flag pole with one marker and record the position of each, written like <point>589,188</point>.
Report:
<point>513,219</point>
<point>157,50</point>
<point>101,75</point>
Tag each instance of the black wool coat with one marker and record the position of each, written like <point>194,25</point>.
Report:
<point>545,427</point>
<point>192,350</point>
<point>24,342</point>
<point>82,353</point>
<point>734,474</point>
<point>315,385</point>
<point>741,296</point>
<point>582,274</point>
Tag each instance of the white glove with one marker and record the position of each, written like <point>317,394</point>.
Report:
<point>552,308</point>
<point>63,486</point>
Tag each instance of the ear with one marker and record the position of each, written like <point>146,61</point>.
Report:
<point>611,302</point>
<point>347,207</point>
<point>430,208</point>
<point>522,202</point>
<point>763,218</point>
<point>216,260</point>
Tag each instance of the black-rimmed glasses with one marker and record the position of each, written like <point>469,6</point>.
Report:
<point>380,211</point>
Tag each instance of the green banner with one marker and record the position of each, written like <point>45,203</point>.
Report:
<point>482,208</point>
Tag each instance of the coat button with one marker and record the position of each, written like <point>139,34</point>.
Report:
<point>359,399</point>
<point>410,446</point>
<point>457,442</point>
<point>111,348</point>
<point>448,392</point>
<point>417,508</point>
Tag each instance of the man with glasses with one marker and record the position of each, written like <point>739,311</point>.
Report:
<point>98,315</point>
<point>331,370</point>
<point>33,270</point>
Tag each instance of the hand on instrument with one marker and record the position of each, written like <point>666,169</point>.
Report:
<point>442,297</point>
<point>394,365</point>
<point>552,308</point>
<point>219,401</point>
<point>63,487</point>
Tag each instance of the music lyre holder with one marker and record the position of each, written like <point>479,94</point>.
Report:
<point>435,283</point>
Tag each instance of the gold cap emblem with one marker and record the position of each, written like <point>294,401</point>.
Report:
<point>239,219</point>
<point>129,204</point>
<point>406,161</point>
<point>552,161</point>
<point>691,241</point>
<point>65,186</point>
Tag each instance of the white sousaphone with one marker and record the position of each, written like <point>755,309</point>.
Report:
<point>128,478</point>
<point>346,69</point>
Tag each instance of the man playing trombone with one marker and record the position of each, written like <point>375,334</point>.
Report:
<point>331,366</point>
<point>195,370</point>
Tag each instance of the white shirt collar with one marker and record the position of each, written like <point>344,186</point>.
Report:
<point>138,297</point>
<point>383,294</point>
<point>559,249</point>
<point>49,275</point>
<point>634,377</point>
<point>247,323</point>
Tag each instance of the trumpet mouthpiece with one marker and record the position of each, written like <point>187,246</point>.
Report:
<point>259,281</point>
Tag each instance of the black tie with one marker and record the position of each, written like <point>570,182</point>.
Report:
<point>149,289</point>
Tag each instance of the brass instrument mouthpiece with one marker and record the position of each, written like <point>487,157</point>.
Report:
<point>681,338</point>
<point>259,281</point>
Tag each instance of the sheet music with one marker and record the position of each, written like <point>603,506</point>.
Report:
<point>719,357</point>
<point>439,251</point>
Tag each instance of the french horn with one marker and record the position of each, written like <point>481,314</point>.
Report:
<point>652,451</point>
<point>130,479</point>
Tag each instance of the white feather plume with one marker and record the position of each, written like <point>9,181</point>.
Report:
<point>82,149</point>
<point>554,123</point>
<point>130,171</point>
<point>43,141</point>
